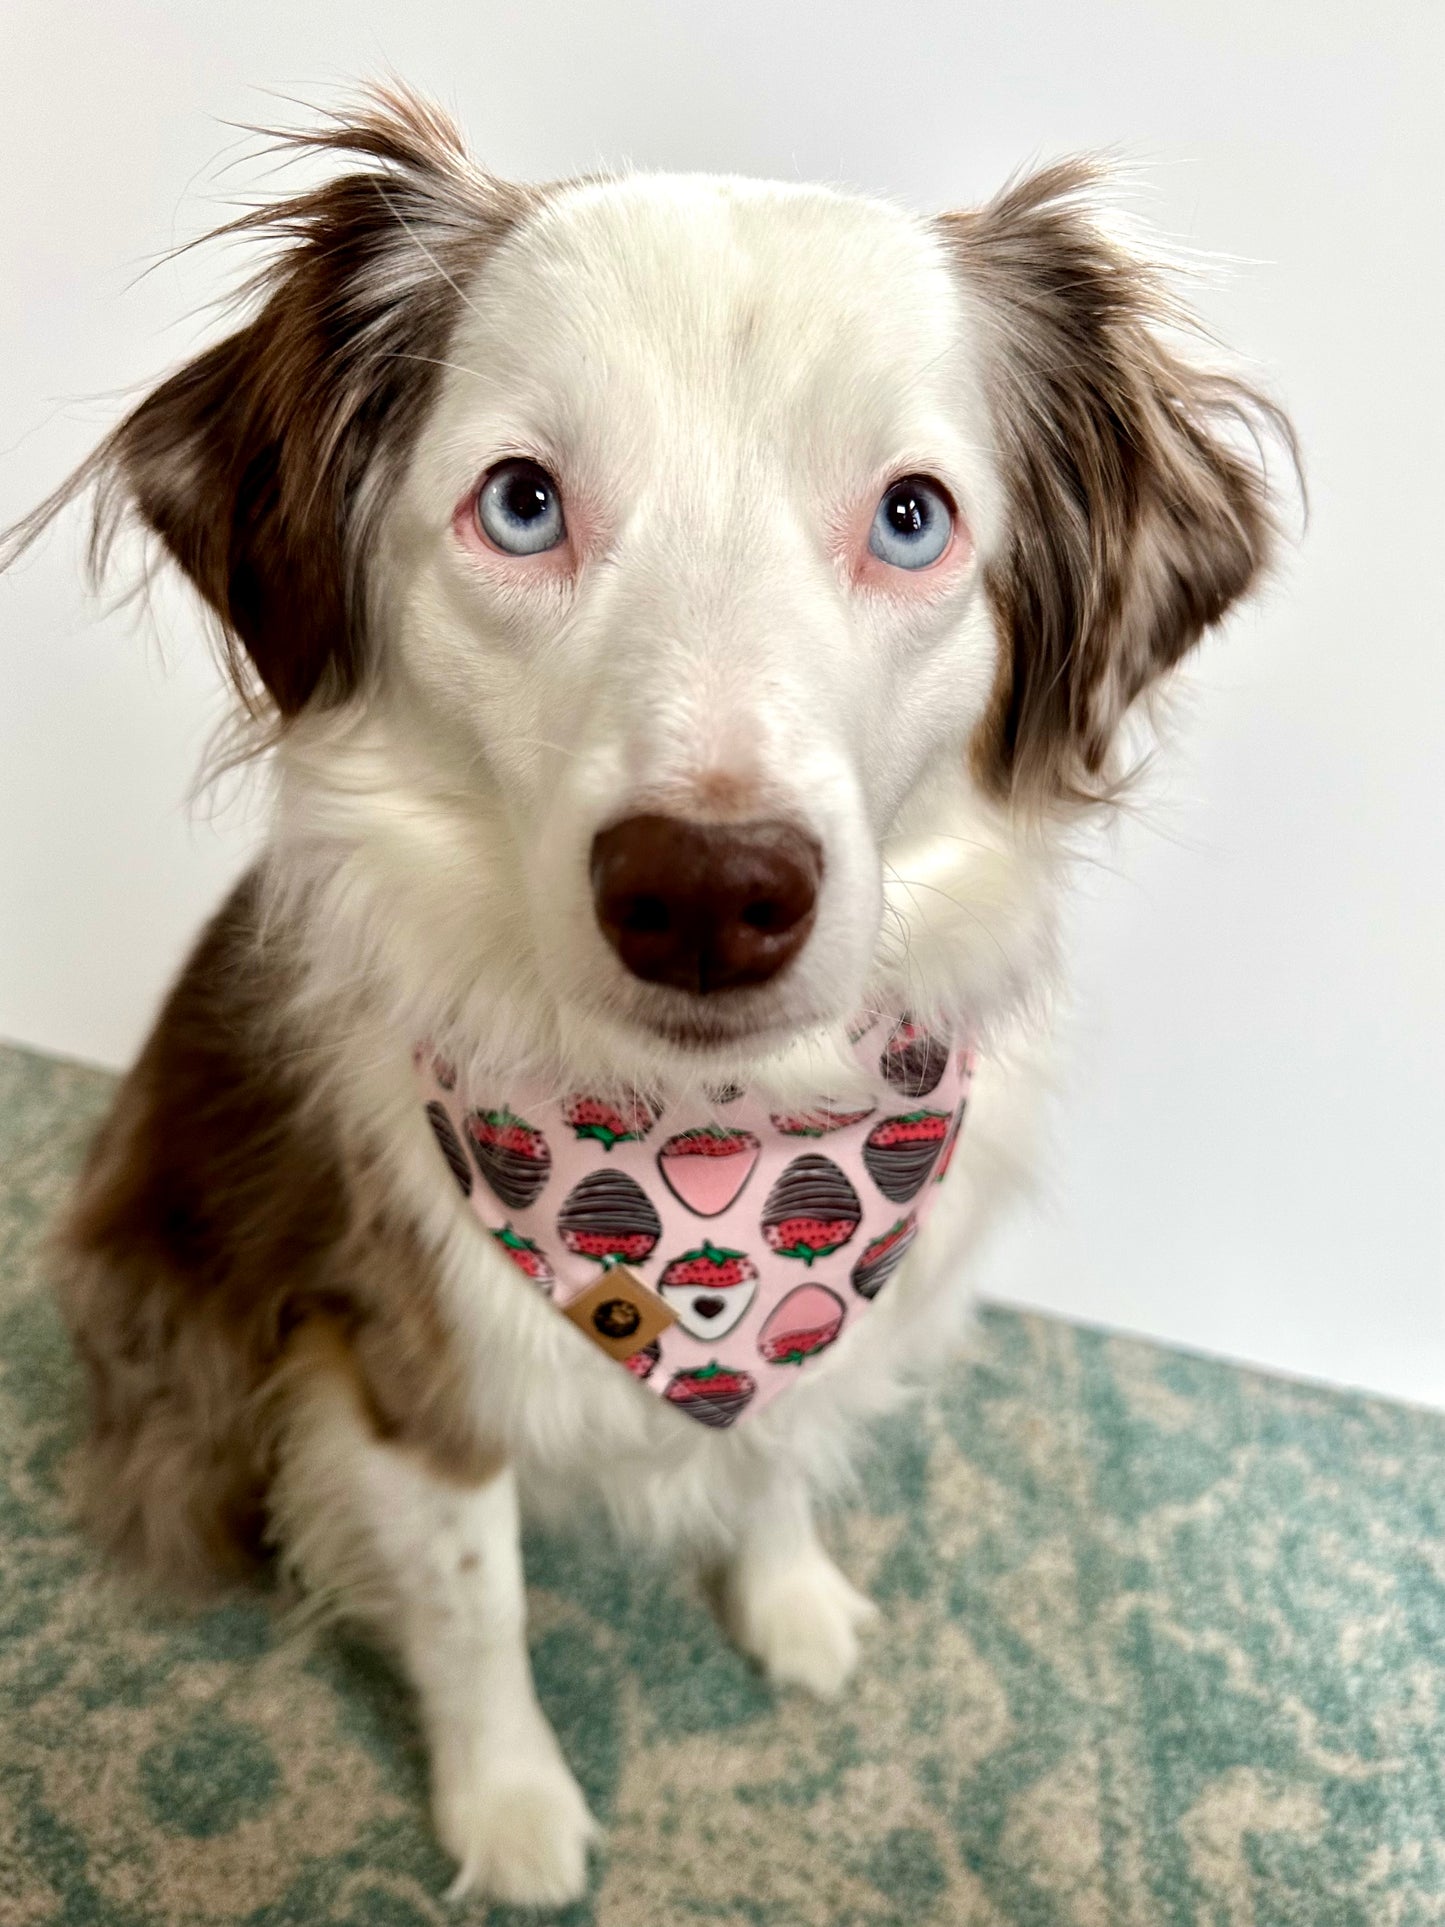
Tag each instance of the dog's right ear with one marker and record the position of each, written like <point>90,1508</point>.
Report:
<point>261,464</point>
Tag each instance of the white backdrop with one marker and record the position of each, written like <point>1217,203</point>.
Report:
<point>1252,1157</point>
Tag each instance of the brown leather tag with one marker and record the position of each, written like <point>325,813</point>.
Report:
<point>620,1313</point>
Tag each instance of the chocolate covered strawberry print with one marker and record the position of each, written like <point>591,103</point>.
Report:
<point>819,1122</point>
<point>811,1210</point>
<point>712,1247</point>
<point>512,1155</point>
<point>609,1123</point>
<point>950,1144</point>
<point>881,1257</point>
<point>450,1145</point>
<point>706,1168</point>
<point>712,1394</point>
<point>913,1060</point>
<point>899,1153</point>
<point>527,1255</point>
<point>609,1218</point>
<point>642,1364</point>
<point>710,1289</point>
<point>804,1324</point>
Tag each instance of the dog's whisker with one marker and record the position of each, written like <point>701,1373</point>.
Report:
<point>942,836</point>
<point>431,361</point>
<point>967,911</point>
<point>422,247</point>
<point>542,742</point>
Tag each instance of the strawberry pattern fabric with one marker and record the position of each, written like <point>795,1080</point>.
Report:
<point>713,1250</point>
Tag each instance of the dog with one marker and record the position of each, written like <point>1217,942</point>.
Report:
<point>687,619</point>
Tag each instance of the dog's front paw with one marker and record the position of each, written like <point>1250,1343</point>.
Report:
<point>515,1820</point>
<point>799,1620</point>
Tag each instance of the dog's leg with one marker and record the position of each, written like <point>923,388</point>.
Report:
<point>435,1568</point>
<point>784,1600</point>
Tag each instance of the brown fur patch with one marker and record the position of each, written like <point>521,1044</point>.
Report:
<point>1138,504</point>
<point>220,1218</point>
<point>262,464</point>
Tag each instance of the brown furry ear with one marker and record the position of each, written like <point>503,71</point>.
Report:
<point>257,464</point>
<point>1138,505</point>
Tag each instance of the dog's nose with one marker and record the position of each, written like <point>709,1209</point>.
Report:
<point>705,906</point>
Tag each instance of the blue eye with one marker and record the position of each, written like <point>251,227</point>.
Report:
<point>519,508</point>
<point>911,524</point>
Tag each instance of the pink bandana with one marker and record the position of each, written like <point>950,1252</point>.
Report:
<point>713,1251</point>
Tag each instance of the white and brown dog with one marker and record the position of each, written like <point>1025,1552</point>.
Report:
<point>682,613</point>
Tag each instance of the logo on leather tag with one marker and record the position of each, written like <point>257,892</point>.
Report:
<point>619,1313</point>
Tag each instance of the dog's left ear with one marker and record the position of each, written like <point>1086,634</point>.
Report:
<point>1138,508</point>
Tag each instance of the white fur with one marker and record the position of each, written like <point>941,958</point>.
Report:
<point>720,372</point>
<point>437,1571</point>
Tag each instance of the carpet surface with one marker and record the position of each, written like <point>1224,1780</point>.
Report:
<point>1162,1641</point>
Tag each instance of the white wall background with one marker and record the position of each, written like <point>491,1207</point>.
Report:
<point>1253,1160</point>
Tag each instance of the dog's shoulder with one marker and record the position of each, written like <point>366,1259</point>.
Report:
<point>223,1214</point>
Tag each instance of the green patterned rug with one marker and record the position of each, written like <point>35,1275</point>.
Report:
<point>1163,1641</point>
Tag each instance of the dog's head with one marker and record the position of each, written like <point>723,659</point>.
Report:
<point>644,571</point>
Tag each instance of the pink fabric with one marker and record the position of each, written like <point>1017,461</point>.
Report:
<point>764,1235</point>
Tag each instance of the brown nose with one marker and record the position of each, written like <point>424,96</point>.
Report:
<point>705,906</point>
